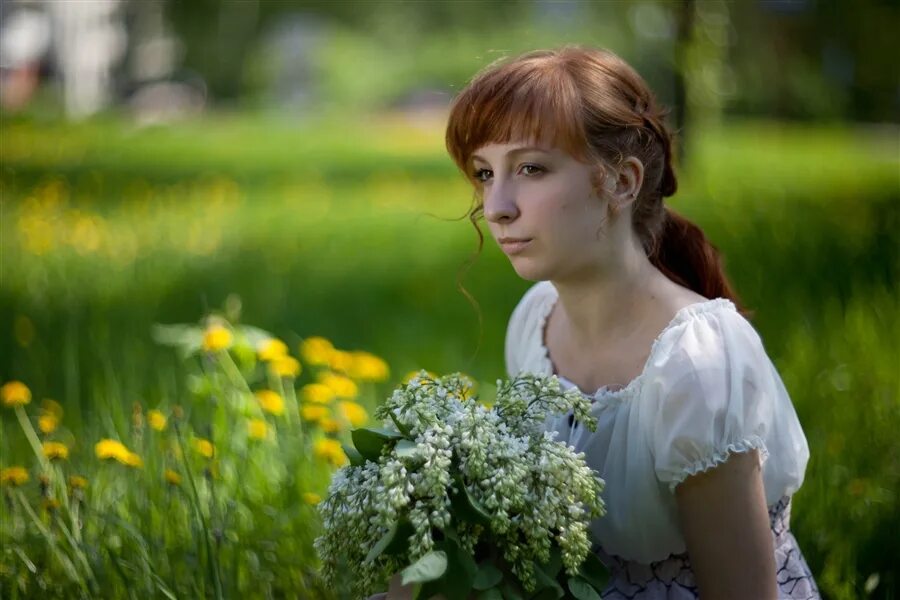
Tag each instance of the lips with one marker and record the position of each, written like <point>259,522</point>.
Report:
<point>514,245</point>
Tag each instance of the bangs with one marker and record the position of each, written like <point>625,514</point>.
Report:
<point>532,100</point>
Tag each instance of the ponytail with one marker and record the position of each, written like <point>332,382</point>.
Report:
<point>684,255</point>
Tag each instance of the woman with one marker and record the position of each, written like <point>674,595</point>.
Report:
<point>697,439</point>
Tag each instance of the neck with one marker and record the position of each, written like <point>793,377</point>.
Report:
<point>610,304</point>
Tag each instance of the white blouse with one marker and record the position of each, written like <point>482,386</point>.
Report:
<point>708,388</point>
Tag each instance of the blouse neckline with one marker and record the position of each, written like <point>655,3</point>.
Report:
<point>683,314</point>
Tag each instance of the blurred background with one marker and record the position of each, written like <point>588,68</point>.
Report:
<point>282,162</point>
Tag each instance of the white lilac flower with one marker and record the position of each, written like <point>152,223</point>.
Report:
<point>535,490</point>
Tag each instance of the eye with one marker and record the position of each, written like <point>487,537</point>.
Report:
<point>481,175</point>
<point>532,169</point>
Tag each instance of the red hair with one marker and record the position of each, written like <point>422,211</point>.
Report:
<point>593,105</point>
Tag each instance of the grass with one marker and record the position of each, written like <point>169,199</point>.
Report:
<point>348,229</point>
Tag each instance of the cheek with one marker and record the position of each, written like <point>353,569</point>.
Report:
<point>575,212</point>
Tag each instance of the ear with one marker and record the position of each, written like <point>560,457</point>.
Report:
<point>624,183</point>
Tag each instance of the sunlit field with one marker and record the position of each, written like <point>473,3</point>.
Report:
<point>151,461</point>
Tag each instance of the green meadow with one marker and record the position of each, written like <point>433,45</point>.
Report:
<point>355,230</point>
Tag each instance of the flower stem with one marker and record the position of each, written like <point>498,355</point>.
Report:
<point>213,564</point>
<point>294,408</point>
<point>32,437</point>
<point>232,370</point>
<point>63,558</point>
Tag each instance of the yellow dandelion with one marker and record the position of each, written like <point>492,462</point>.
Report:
<point>330,451</point>
<point>15,393</point>
<point>311,498</point>
<point>112,449</point>
<point>56,450</point>
<point>217,337</point>
<point>51,504</point>
<point>172,477</point>
<point>316,351</point>
<point>257,429</point>
<point>314,412</point>
<point>51,407</point>
<point>413,374</point>
<point>317,392</point>
<point>48,423</point>
<point>343,387</point>
<point>329,425</point>
<point>13,476</point>
<point>355,414</point>
<point>76,482</point>
<point>204,447</point>
<point>285,366</point>
<point>270,402</point>
<point>156,419</point>
<point>107,448</point>
<point>368,367</point>
<point>271,349</point>
<point>340,361</point>
<point>470,386</point>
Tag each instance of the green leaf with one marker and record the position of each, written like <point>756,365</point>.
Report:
<point>430,589</point>
<point>554,563</point>
<point>594,571</point>
<point>400,426</point>
<point>254,335</point>
<point>428,568</point>
<point>369,442</point>
<point>491,594</point>
<point>400,544</point>
<point>405,449</point>
<point>456,582</point>
<point>547,586</point>
<point>487,576</point>
<point>483,514</point>
<point>189,338</point>
<point>461,569</point>
<point>383,543</point>
<point>546,594</point>
<point>356,459</point>
<point>581,589</point>
<point>511,591</point>
<point>395,541</point>
<point>450,534</point>
<point>467,507</point>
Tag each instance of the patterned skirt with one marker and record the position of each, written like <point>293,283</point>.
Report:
<point>673,578</point>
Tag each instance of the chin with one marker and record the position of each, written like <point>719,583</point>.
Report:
<point>529,271</point>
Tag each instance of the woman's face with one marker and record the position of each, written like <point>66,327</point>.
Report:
<point>542,209</point>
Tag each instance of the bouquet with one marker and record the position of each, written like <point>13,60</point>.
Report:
<point>463,498</point>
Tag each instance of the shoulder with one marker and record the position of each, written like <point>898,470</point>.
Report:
<point>533,302</point>
<point>713,391</point>
<point>708,333</point>
<point>711,361</point>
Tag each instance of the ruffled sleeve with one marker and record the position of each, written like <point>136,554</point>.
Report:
<point>719,393</point>
<point>522,344</point>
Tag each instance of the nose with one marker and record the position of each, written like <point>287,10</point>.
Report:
<point>500,204</point>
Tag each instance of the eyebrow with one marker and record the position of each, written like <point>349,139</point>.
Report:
<point>516,151</point>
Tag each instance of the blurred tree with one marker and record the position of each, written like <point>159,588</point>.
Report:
<point>817,60</point>
<point>219,34</point>
<point>685,21</point>
<point>790,59</point>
